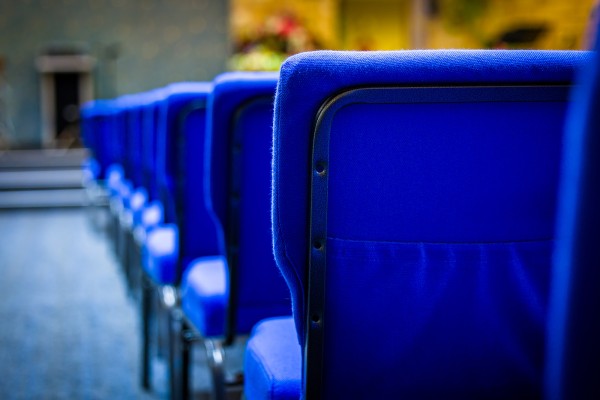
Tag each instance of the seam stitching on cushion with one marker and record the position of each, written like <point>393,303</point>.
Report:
<point>544,240</point>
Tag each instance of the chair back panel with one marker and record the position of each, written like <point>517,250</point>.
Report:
<point>238,187</point>
<point>134,117</point>
<point>151,119</point>
<point>179,99</point>
<point>198,233</point>
<point>309,80</point>
<point>439,240</point>
<point>262,292</point>
<point>445,172</point>
<point>432,217</point>
<point>573,351</point>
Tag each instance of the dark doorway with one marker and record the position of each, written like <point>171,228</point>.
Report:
<point>66,95</point>
<point>66,78</point>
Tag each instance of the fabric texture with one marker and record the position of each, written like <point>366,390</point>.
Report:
<point>137,205</point>
<point>94,123</point>
<point>114,177</point>
<point>450,320</point>
<point>204,294</point>
<point>573,329</point>
<point>439,215</point>
<point>272,362</point>
<point>150,110</point>
<point>240,106</point>
<point>309,79</point>
<point>169,135</point>
<point>179,166</point>
<point>152,215</point>
<point>160,254</point>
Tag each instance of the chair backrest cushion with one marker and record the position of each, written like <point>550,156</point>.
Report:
<point>573,350</point>
<point>238,170</point>
<point>150,127</point>
<point>441,172</point>
<point>170,135</point>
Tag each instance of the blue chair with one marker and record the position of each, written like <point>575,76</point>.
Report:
<point>131,195</point>
<point>152,213</point>
<point>145,210</point>
<point>167,248</point>
<point>413,220</point>
<point>93,127</point>
<point>574,327</point>
<point>135,200</point>
<point>120,186</point>
<point>115,183</point>
<point>224,295</point>
<point>93,116</point>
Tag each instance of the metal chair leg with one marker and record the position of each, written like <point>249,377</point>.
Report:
<point>135,266</point>
<point>114,232</point>
<point>179,356</point>
<point>216,359</point>
<point>145,353</point>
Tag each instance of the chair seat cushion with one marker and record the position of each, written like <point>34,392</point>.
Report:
<point>204,297</point>
<point>114,177</point>
<point>137,205</point>
<point>151,215</point>
<point>273,362</point>
<point>90,170</point>
<point>204,294</point>
<point>160,254</point>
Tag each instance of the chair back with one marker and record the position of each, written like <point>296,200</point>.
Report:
<point>95,138</point>
<point>180,168</point>
<point>238,187</point>
<point>150,111</point>
<point>413,217</point>
<point>574,327</point>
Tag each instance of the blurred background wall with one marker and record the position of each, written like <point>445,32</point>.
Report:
<point>136,44</point>
<point>393,24</point>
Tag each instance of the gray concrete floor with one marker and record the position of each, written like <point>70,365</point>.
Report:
<point>67,328</point>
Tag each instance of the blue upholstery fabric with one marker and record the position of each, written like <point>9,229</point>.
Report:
<point>113,133</point>
<point>574,327</point>
<point>135,143</point>
<point>137,205</point>
<point>198,227</point>
<point>177,97</point>
<point>90,169</point>
<point>440,221</point>
<point>94,116</point>
<point>179,167</point>
<point>241,104</point>
<point>230,92</point>
<point>152,215</point>
<point>124,192</point>
<point>308,79</point>
<point>133,126</point>
<point>205,283</point>
<point>160,253</point>
<point>114,178</point>
<point>124,132</point>
<point>150,110</point>
<point>273,362</point>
